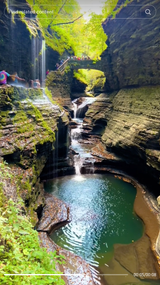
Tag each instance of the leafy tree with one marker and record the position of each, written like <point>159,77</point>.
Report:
<point>108,8</point>
<point>64,28</point>
<point>94,37</point>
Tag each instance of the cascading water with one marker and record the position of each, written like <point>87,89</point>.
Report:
<point>76,135</point>
<point>75,107</point>
<point>43,72</point>
<point>43,63</point>
<point>83,107</point>
<point>33,47</point>
<point>36,48</point>
<point>102,212</point>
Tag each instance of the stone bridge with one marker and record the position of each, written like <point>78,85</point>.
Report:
<point>82,64</point>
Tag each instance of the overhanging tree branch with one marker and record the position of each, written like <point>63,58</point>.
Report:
<point>61,8</point>
<point>67,23</point>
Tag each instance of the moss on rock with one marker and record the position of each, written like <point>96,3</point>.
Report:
<point>27,137</point>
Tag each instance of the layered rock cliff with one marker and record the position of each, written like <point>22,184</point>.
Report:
<point>127,118</point>
<point>129,123</point>
<point>29,123</point>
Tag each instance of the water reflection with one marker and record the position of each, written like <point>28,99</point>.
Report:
<point>102,215</point>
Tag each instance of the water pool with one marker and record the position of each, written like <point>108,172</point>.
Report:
<point>102,215</point>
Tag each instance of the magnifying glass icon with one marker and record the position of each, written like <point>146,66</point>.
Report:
<point>148,12</point>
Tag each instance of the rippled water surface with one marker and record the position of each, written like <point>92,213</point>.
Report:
<point>102,215</point>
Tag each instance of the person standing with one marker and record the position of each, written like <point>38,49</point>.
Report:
<point>3,77</point>
<point>57,65</point>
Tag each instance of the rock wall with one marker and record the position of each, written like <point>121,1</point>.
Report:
<point>59,83</point>
<point>28,127</point>
<point>129,122</point>
<point>133,54</point>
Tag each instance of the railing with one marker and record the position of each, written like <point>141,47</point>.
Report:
<point>63,65</point>
<point>81,61</point>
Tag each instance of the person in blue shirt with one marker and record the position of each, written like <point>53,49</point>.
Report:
<point>15,78</point>
<point>35,83</point>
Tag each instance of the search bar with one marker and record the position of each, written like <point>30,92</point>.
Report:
<point>137,12</point>
<point>129,12</point>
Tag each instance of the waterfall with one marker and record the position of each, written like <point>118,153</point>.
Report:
<point>75,136</point>
<point>33,47</point>
<point>82,108</point>
<point>82,157</point>
<point>43,62</point>
<point>35,56</point>
<point>77,164</point>
<point>75,107</point>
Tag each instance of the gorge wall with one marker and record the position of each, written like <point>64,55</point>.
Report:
<point>29,124</point>
<point>127,117</point>
<point>133,54</point>
<point>129,122</point>
<point>19,50</point>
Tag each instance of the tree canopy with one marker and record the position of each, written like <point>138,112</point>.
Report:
<point>55,20</point>
<point>64,27</point>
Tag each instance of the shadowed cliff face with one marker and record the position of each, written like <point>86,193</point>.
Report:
<point>19,51</point>
<point>15,53</point>
<point>133,54</point>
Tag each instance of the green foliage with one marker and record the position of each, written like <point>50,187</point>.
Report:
<point>67,69</point>
<point>49,95</point>
<point>64,28</point>
<point>93,78</point>
<point>81,75</point>
<point>110,6</point>
<point>55,21</point>
<point>20,252</point>
<point>93,41</point>
<point>4,174</point>
<point>67,30</point>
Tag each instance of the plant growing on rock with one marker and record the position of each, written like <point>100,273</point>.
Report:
<point>20,252</point>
